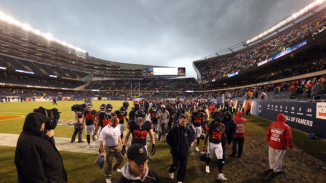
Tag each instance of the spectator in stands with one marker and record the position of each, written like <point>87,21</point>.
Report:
<point>279,137</point>
<point>316,91</point>
<point>306,92</point>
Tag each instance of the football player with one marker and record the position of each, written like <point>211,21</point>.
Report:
<point>216,133</point>
<point>139,128</point>
<point>197,121</point>
<point>104,118</point>
<point>153,118</point>
<point>122,114</point>
<point>89,117</point>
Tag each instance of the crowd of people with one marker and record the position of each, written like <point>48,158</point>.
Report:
<point>154,85</point>
<point>165,117</point>
<point>221,66</point>
<point>38,81</point>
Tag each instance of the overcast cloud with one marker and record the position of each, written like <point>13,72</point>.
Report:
<point>155,32</point>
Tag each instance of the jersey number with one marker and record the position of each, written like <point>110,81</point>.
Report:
<point>106,121</point>
<point>89,116</point>
<point>140,134</point>
<point>217,135</point>
<point>121,118</point>
<point>197,120</point>
<point>153,114</point>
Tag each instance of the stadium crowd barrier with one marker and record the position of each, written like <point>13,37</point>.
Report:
<point>307,117</point>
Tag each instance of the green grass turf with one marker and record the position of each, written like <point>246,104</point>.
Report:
<point>305,163</point>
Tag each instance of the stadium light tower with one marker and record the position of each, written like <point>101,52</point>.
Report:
<point>27,28</point>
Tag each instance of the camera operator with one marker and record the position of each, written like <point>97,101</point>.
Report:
<point>54,115</point>
<point>36,158</point>
<point>78,122</point>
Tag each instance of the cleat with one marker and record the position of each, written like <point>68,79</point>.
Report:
<point>197,148</point>
<point>207,169</point>
<point>171,175</point>
<point>108,180</point>
<point>117,170</point>
<point>88,146</point>
<point>221,177</point>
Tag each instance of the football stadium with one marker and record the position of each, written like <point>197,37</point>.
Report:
<point>252,113</point>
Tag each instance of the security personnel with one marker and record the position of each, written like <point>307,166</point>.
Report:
<point>240,108</point>
<point>232,109</point>
<point>222,107</point>
<point>179,139</point>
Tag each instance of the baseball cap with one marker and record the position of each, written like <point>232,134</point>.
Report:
<point>137,153</point>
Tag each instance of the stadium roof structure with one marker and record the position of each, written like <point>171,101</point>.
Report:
<point>285,24</point>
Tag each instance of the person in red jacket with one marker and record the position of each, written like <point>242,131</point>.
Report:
<point>279,137</point>
<point>211,109</point>
<point>239,135</point>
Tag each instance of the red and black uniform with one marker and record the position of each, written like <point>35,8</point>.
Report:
<point>215,134</point>
<point>121,116</point>
<point>139,133</point>
<point>105,119</point>
<point>153,116</point>
<point>90,117</point>
<point>197,118</point>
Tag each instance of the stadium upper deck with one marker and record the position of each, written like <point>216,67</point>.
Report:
<point>279,39</point>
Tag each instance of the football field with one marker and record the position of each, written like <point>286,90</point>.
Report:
<point>306,162</point>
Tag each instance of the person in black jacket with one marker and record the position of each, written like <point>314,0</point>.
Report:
<point>36,158</point>
<point>133,111</point>
<point>230,129</point>
<point>179,139</point>
<point>136,169</point>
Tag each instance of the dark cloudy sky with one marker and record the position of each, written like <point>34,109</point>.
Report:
<point>156,32</point>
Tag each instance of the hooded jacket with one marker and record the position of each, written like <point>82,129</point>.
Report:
<point>240,131</point>
<point>165,118</point>
<point>230,127</point>
<point>150,176</point>
<point>36,158</point>
<point>279,135</point>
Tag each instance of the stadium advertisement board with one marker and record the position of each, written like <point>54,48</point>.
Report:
<point>166,71</point>
<point>287,51</point>
<point>300,116</point>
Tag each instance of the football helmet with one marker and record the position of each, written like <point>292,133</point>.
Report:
<point>122,110</point>
<point>140,117</point>
<point>203,155</point>
<point>109,108</point>
<point>102,107</point>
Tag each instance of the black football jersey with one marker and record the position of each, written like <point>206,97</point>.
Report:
<point>121,115</point>
<point>139,133</point>
<point>197,118</point>
<point>105,119</point>
<point>215,134</point>
<point>89,116</point>
<point>153,116</point>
